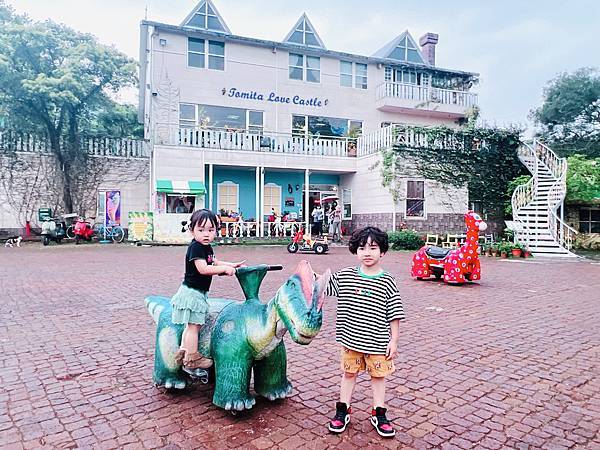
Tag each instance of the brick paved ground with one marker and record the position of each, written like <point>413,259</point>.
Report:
<point>513,362</point>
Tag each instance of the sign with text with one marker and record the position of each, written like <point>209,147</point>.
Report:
<point>141,226</point>
<point>276,98</point>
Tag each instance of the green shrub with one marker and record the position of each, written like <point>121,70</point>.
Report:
<point>405,240</point>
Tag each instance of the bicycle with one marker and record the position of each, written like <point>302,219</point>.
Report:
<point>113,232</point>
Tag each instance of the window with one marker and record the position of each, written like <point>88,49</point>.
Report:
<point>317,126</point>
<point>205,17</point>
<point>228,197</point>
<point>198,54</point>
<point>304,34</point>
<point>180,204</point>
<point>221,117</point>
<point>347,202</point>
<point>216,55</point>
<point>589,220</point>
<point>346,73</point>
<point>187,115</point>
<point>303,67</point>
<point>272,194</point>
<point>350,71</point>
<point>415,198</point>
<point>405,76</point>
<point>360,81</point>
<point>406,50</point>
<point>255,122</point>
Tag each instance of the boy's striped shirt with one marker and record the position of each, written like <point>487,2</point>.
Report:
<point>366,306</point>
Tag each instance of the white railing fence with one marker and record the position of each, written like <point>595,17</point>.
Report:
<point>251,229</point>
<point>414,92</point>
<point>255,142</point>
<point>11,141</point>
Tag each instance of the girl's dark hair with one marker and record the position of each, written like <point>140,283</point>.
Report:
<point>201,216</point>
<point>360,237</point>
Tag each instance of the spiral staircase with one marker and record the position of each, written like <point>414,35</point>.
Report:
<point>536,204</point>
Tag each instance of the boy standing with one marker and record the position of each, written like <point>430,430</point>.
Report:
<point>369,311</point>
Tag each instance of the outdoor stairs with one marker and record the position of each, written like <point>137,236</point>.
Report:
<point>537,203</point>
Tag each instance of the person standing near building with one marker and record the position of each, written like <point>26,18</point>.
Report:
<point>369,312</point>
<point>317,215</point>
<point>335,229</point>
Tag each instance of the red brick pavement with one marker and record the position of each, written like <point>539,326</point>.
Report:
<point>510,363</point>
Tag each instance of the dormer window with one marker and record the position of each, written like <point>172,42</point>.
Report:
<point>206,17</point>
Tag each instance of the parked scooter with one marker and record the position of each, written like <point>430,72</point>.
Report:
<point>83,230</point>
<point>53,229</point>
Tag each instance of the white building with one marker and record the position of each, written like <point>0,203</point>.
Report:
<point>245,125</point>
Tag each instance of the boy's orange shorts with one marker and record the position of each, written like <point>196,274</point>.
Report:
<point>375,365</point>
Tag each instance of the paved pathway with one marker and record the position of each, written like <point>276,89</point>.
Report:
<point>511,363</point>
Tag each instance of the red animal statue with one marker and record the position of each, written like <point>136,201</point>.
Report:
<point>455,265</point>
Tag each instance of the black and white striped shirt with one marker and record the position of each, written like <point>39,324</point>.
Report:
<point>366,306</point>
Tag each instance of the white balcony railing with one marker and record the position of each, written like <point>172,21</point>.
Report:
<point>425,94</point>
<point>263,142</point>
<point>252,229</point>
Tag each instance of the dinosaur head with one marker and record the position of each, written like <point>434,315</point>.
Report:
<point>299,303</point>
<point>474,222</point>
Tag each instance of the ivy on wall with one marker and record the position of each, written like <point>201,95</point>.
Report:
<point>483,159</point>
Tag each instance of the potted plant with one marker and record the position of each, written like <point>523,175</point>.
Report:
<point>353,134</point>
<point>504,249</point>
<point>516,250</point>
<point>494,249</point>
<point>526,252</point>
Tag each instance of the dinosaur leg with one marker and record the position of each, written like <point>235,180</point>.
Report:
<point>270,379</point>
<point>232,385</point>
<point>167,372</point>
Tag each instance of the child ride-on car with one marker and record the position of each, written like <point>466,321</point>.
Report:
<point>305,243</point>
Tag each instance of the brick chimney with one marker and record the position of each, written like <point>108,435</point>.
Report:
<point>427,43</point>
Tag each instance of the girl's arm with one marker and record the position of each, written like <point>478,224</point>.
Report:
<point>216,269</point>
<point>230,264</point>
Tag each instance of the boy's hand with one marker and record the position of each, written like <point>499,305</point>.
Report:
<point>239,264</point>
<point>229,270</point>
<point>392,350</point>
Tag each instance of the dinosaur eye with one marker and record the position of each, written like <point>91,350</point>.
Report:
<point>476,216</point>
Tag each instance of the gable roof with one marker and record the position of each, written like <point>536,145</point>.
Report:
<point>303,33</point>
<point>206,17</point>
<point>402,48</point>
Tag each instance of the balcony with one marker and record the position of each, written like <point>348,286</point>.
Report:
<point>263,142</point>
<point>423,100</point>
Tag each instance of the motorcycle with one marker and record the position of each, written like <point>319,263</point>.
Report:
<point>53,229</point>
<point>83,230</point>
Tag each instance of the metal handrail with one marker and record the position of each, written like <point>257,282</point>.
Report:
<point>524,194</point>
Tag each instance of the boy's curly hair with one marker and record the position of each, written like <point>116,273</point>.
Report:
<point>360,237</point>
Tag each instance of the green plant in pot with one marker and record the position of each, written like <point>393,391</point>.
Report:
<point>504,248</point>
<point>516,249</point>
<point>494,249</point>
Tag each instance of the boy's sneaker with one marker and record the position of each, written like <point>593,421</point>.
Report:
<point>381,423</point>
<point>342,418</point>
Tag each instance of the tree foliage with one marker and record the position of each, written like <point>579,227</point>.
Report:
<point>483,159</point>
<point>58,81</point>
<point>583,180</point>
<point>569,117</point>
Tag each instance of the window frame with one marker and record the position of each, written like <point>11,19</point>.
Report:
<point>423,214</point>
<point>349,123</point>
<point>167,195</point>
<point>228,184</point>
<point>589,222</point>
<point>267,206</point>
<point>354,76</point>
<point>206,54</point>
<point>304,67</point>
<point>346,204</point>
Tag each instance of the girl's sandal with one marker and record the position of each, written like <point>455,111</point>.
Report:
<point>196,361</point>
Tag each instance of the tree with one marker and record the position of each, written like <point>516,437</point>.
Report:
<point>483,159</point>
<point>52,79</point>
<point>583,180</point>
<point>569,117</point>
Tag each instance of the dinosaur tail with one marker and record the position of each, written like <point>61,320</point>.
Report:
<point>157,305</point>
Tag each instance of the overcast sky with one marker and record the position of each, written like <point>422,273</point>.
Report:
<point>515,45</point>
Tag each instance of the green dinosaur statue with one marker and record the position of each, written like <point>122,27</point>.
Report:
<point>244,336</point>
